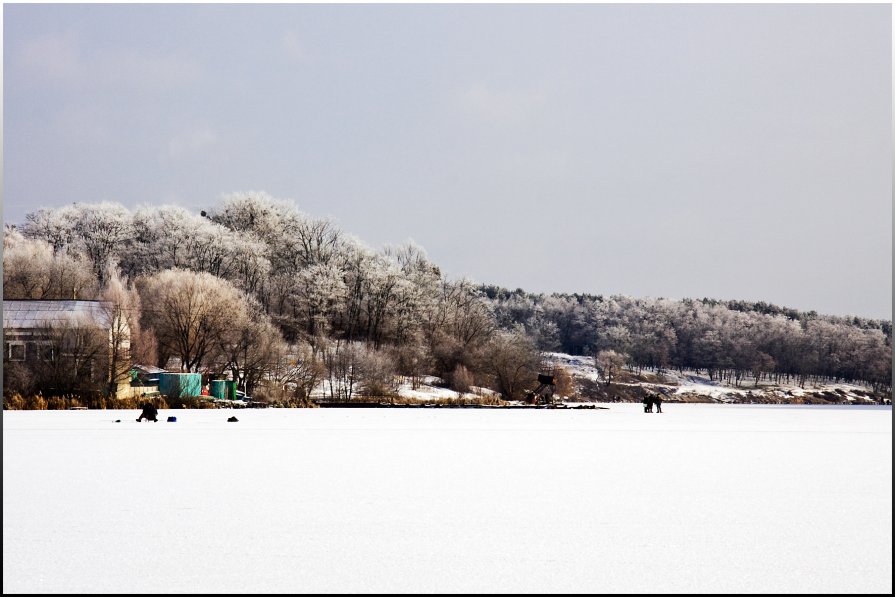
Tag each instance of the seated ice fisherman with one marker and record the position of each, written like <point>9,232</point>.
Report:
<point>149,413</point>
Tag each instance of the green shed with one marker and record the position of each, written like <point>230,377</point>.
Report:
<point>180,385</point>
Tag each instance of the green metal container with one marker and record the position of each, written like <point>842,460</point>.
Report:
<point>231,390</point>
<point>180,385</point>
<point>219,388</point>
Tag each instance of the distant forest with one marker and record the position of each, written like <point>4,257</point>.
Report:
<point>281,300</point>
<point>722,338</point>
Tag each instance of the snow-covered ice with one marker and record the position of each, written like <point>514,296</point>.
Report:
<point>700,498</point>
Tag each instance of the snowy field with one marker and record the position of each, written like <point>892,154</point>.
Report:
<point>701,498</point>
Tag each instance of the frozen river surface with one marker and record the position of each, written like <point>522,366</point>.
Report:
<point>701,498</point>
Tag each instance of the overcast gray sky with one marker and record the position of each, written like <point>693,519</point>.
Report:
<point>727,151</point>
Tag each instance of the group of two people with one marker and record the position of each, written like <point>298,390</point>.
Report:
<point>652,399</point>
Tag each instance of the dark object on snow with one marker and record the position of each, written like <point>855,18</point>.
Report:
<point>117,420</point>
<point>172,419</point>
<point>543,394</point>
<point>233,420</point>
<point>149,413</point>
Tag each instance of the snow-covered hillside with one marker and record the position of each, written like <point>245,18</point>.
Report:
<point>433,388</point>
<point>690,386</point>
<point>427,389</point>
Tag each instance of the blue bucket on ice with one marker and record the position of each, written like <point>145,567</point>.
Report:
<point>172,419</point>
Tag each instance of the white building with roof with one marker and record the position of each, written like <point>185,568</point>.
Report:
<point>52,334</point>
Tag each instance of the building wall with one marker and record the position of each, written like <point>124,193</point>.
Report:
<point>61,362</point>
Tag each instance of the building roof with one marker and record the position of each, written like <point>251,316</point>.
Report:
<point>148,369</point>
<point>28,314</point>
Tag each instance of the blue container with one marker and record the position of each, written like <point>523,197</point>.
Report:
<point>172,419</point>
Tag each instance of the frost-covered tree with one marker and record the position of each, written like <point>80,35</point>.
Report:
<point>251,348</point>
<point>300,369</point>
<point>103,230</point>
<point>415,293</point>
<point>343,372</point>
<point>729,340</point>
<point>377,372</point>
<point>256,212</point>
<point>318,296</point>
<point>380,291</point>
<point>31,270</point>
<point>317,284</point>
<point>121,316</point>
<point>609,363</point>
<point>191,314</point>
<point>295,240</point>
<point>514,362</point>
<point>56,226</point>
<point>460,326</point>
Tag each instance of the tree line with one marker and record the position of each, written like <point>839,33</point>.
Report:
<point>257,290</point>
<point>727,340</point>
<point>282,302</point>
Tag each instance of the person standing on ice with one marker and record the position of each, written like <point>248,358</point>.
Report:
<point>657,399</point>
<point>648,403</point>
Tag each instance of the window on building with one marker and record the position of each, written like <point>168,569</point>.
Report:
<point>16,351</point>
<point>45,352</point>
